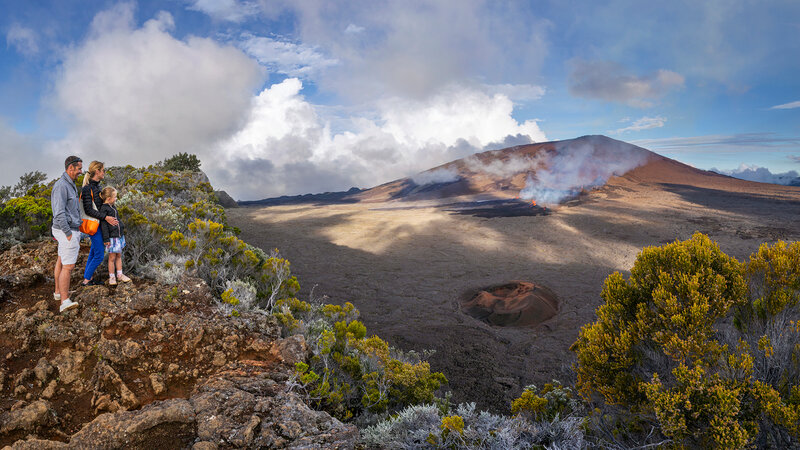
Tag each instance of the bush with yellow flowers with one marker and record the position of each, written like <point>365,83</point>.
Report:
<point>218,257</point>
<point>349,373</point>
<point>25,212</point>
<point>686,339</point>
<point>552,401</point>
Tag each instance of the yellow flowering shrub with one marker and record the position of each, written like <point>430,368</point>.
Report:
<point>353,373</point>
<point>664,345</point>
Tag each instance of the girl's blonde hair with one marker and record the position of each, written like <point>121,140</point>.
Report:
<point>94,166</point>
<point>107,192</point>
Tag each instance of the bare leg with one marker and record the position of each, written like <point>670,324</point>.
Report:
<point>63,280</point>
<point>119,262</point>
<point>112,259</point>
<point>56,274</point>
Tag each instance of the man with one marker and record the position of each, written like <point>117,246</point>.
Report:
<point>66,221</point>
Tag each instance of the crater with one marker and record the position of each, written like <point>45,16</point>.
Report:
<point>513,304</point>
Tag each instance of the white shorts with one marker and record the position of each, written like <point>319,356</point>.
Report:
<point>68,248</point>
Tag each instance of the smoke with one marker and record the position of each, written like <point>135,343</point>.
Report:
<point>762,175</point>
<point>502,169</point>
<point>578,164</point>
<point>436,176</point>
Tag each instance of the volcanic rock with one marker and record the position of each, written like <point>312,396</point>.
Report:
<point>139,367</point>
<point>226,200</point>
<point>36,415</point>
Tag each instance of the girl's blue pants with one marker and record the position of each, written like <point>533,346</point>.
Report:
<point>96,253</point>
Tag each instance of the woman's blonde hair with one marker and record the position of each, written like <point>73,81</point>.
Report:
<point>107,192</point>
<point>94,166</point>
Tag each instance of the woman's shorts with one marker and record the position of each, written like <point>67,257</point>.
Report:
<point>67,248</point>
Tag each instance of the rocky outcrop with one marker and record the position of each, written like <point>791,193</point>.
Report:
<point>226,200</point>
<point>145,365</point>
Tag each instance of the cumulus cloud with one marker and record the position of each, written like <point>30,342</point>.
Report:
<point>23,39</point>
<point>286,147</point>
<point>296,60</point>
<point>609,81</point>
<point>136,95</point>
<point>790,105</point>
<point>226,10</point>
<point>415,48</point>
<point>645,123</point>
<point>762,175</point>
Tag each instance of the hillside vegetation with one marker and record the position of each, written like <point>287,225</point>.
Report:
<point>693,349</point>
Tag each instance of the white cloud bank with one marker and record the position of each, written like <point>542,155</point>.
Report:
<point>417,48</point>
<point>137,95</point>
<point>762,175</point>
<point>286,147</point>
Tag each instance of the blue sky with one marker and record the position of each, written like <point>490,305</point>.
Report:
<point>286,97</point>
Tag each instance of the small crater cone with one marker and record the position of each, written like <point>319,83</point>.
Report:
<point>514,304</point>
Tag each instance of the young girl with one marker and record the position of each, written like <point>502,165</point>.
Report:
<point>113,238</point>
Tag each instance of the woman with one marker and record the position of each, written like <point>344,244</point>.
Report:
<point>90,196</point>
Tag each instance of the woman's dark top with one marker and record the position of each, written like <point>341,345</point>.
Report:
<point>110,231</point>
<point>88,191</point>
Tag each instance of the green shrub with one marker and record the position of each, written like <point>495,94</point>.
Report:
<point>774,275</point>
<point>351,374</point>
<point>217,256</point>
<point>32,215</point>
<point>25,208</point>
<point>554,400</point>
<point>664,345</point>
<point>182,161</point>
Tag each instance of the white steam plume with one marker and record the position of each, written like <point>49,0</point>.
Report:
<point>502,169</point>
<point>579,164</point>
<point>435,177</point>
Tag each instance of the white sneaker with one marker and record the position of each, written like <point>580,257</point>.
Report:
<point>56,296</point>
<point>67,304</point>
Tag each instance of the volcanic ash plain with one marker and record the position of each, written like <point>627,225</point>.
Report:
<point>409,267</point>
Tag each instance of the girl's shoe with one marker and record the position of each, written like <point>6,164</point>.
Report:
<point>112,279</point>
<point>121,277</point>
